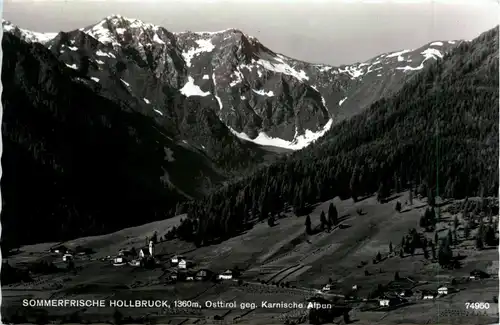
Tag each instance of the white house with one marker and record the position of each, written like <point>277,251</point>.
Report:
<point>428,296</point>
<point>175,259</point>
<point>67,257</point>
<point>182,264</point>
<point>134,263</point>
<point>326,288</point>
<point>384,302</point>
<point>355,287</point>
<point>119,260</point>
<point>443,291</point>
<point>227,275</point>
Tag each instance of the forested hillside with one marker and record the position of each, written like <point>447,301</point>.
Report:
<point>76,163</point>
<point>439,134</point>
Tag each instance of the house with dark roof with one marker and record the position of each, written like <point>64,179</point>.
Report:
<point>226,275</point>
<point>175,259</point>
<point>478,274</point>
<point>429,294</point>
<point>203,275</point>
<point>61,249</point>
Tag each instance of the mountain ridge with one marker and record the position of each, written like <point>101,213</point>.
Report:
<point>264,97</point>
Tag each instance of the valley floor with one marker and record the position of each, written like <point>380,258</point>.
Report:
<point>282,254</point>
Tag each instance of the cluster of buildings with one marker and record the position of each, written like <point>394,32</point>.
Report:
<point>68,254</point>
<point>426,294</point>
<point>184,271</point>
<point>183,268</point>
<point>62,250</point>
<point>403,290</point>
<point>136,258</point>
<point>397,298</point>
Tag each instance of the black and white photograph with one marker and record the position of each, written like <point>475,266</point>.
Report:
<point>250,162</point>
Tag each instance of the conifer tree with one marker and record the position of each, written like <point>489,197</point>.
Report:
<point>353,184</point>
<point>324,222</point>
<point>332,214</point>
<point>308,225</point>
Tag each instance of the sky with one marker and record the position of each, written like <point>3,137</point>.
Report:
<point>329,31</point>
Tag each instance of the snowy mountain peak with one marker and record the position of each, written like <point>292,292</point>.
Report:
<point>25,34</point>
<point>116,30</point>
<point>119,20</point>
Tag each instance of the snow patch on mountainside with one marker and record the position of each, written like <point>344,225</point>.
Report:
<point>95,79</point>
<point>322,98</point>
<point>125,83</point>
<point>309,136</point>
<point>264,93</point>
<point>429,53</point>
<point>342,101</point>
<point>157,111</point>
<point>203,46</point>
<point>283,68</point>
<point>102,34</point>
<point>190,89</point>
<point>157,39</point>
<point>437,44</point>
<point>398,54</point>
<point>238,77</point>
<point>219,101</point>
<point>299,142</point>
<point>101,53</point>
<point>204,33</point>
<point>147,101</point>
<point>325,68</point>
<point>72,66</point>
<point>353,71</point>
